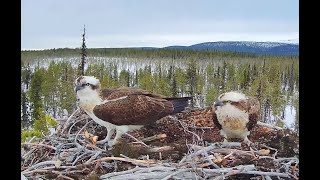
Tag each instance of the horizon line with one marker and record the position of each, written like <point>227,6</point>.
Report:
<point>278,41</point>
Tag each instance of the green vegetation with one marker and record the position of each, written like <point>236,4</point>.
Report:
<point>49,80</point>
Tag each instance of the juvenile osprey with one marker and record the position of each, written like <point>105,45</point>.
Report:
<point>123,109</point>
<point>235,114</point>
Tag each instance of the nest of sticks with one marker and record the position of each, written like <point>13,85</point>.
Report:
<point>186,146</point>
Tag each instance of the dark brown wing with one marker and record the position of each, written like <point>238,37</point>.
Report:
<point>254,112</point>
<point>215,118</point>
<point>125,91</point>
<point>134,110</point>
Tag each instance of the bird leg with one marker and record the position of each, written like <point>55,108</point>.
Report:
<point>107,138</point>
<point>247,141</point>
<point>115,140</point>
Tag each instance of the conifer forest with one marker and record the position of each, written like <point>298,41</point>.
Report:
<point>47,80</point>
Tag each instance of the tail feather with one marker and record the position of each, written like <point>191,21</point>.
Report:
<point>179,104</point>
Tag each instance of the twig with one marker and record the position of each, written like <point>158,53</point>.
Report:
<point>137,140</point>
<point>33,137</point>
<point>54,172</point>
<point>79,157</point>
<point>210,161</point>
<point>144,163</point>
<point>161,149</point>
<point>23,177</point>
<point>268,125</point>
<point>35,144</point>
<point>120,173</point>
<point>40,164</point>
<point>287,159</point>
<point>209,148</point>
<point>93,157</point>
<point>155,137</point>
<point>175,173</point>
<point>75,139</point>
<point>265,173</point>
<point>74,125</point>
<point>267,177</point>
<point>186,129</point>
<point>67,122</point>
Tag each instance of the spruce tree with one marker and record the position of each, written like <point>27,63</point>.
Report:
<point>83,53</point>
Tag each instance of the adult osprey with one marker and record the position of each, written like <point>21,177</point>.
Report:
<point>235,114</point>
<point>123,109</point>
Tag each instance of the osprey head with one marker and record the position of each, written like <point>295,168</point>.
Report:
<point>86,83</point>
<point>230,97</point>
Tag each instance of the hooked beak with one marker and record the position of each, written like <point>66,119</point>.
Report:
<point>218,103</point>
<point>77,88</point>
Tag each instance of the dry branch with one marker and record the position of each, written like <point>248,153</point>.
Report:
<point>74,154</point>
<point>35,144</point>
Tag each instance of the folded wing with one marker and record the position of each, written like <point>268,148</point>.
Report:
<point>254,112</point>
<point>133,109</point>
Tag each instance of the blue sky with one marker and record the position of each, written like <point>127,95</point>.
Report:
<point>158,23</point>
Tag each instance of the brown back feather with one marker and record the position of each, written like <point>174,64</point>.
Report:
<point>136,109</point>
<point>254,112</point>
<point>124,91</point>
<point>215,118</point>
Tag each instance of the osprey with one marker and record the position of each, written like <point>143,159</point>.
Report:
<point>235,114</point>
<point>123,109</point>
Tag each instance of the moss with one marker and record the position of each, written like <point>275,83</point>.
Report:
<point>30,133</point>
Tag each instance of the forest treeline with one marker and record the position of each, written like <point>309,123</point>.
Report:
<point>31,55</point>
<point>48,91</point>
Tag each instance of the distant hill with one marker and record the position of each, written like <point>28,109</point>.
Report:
<point>270,48</point>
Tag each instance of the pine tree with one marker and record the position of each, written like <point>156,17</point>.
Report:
<point>24,108</point>
<point>83,53</point>
<point>26,75</point>
<point>35,94</point>
<point>192,77</point>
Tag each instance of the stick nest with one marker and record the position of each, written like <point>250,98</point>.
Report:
<point>187,146</point>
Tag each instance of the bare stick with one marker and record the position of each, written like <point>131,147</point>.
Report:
<point>40,164</point>
<point>35,144</point>
<point>79,157</point>
<point>69,132</point>
<point>93,157</point>
<point>23,177</point>
<point>186,129</point>
<point>144,163</point>
<point>210,161</point>
<point>33,137</point>
<point>262,173</point>
<point>175,173</point>
<point>268,125</point>
<point>75,139</point>
<point>161,149</point>
<point>287,159</point>
<point>54,172</point>
<point>137,140</point>
<point>155,137</point>
<point>120,173</point>
<point>267,177</point>
<point>67,122</point>
<point>206,149</point>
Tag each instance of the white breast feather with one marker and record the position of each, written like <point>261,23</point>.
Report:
<point>233,121</point>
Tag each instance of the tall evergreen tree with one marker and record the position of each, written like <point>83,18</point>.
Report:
<point>24,108</point>
<point>35,94</point>
<point>83,53</point>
